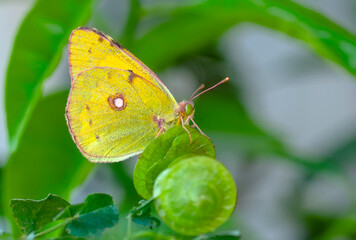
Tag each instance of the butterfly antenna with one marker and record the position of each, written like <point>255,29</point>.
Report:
<point>221,82</point>
<point>199,88</point>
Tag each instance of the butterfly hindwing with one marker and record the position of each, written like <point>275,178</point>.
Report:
<point>110,113</point>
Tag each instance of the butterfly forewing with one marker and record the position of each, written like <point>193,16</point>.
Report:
<point>89,47</point>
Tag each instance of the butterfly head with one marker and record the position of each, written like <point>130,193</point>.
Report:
<point>185,109</point>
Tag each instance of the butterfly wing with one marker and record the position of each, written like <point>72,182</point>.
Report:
<point>89,47</point>
<point>111,112</point>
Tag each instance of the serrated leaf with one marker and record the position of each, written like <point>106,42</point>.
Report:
<point>97,214</point>
<point>229,235</point>
<point>32,215</point>
<point>162,151</point>
<point>36,51</point>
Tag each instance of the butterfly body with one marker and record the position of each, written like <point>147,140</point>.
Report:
<point>116,105</point>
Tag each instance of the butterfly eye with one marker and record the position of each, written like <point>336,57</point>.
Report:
<point>189,109</point>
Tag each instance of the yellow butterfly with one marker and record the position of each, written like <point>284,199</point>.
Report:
<point>116,105</point>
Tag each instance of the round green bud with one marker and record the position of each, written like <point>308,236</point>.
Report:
<point>195,195</point>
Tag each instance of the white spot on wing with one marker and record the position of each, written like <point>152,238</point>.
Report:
<point>119,102</point>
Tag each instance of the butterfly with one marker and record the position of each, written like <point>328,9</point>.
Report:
<point>116,104</point>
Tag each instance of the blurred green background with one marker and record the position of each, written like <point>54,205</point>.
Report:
<point>285,125</point>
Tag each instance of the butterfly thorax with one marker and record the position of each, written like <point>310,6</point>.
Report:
<point>182,113</point>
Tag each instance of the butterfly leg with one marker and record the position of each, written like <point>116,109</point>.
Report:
<point>195,125</point>
<point>190,136</point>
<point>159,123</point>
<point>159,132</point>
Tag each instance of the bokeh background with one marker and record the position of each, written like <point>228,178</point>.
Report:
<point>285,125</point>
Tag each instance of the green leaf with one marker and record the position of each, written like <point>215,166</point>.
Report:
<point>97,214</point>
<point>230,235</point>
<point>47,160</point>
<point>178,37</point>
<point>32,215</point>
<point>325,37</point>
<point>36,52</point>
<point>162,151</point>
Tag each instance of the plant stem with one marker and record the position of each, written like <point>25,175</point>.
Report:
<point>129,227</point>
<point>62,224</point>
<point>143,205</point>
